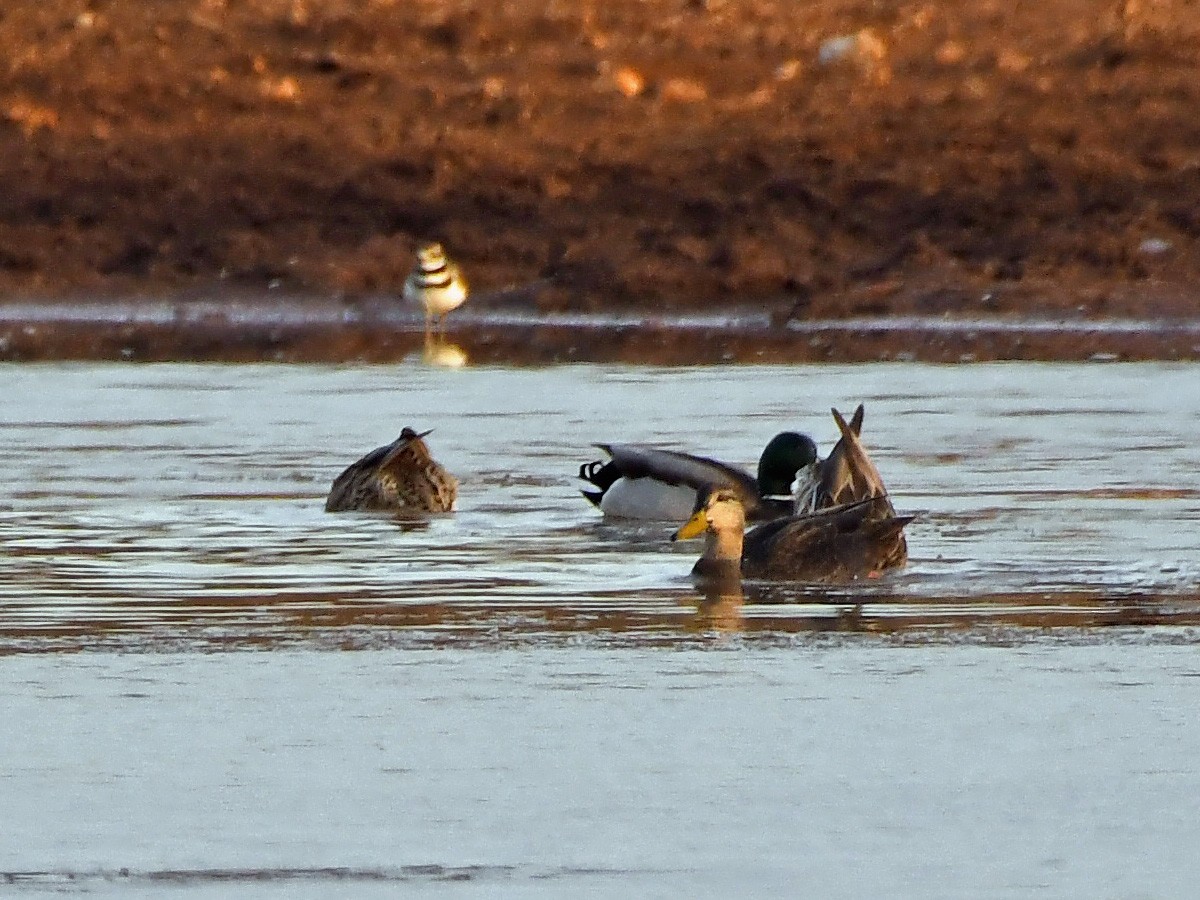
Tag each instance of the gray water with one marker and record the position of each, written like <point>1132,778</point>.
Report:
<point>521,700</point>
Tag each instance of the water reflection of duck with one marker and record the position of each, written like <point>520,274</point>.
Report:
<point>721,606</point>
<point>401,477</point>
<point>640,482</point>
<point>846,542</point>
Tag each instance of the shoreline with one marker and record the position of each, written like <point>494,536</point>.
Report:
<point>313,330</point>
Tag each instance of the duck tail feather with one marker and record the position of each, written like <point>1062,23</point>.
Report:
<point>849,472</point>
<point>892,526</point>
<point>599,473</point>
<point>856,421</point>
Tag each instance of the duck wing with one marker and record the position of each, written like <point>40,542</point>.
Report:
<point>350,487</point>
<point>760,540</point>
<point>670,467</point>
<point>842,543</point>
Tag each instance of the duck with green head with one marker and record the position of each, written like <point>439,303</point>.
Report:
<point>648,483</point>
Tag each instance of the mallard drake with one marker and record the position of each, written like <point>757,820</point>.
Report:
<point>437,284</point>
<point>843,543</point>
<point>640,482</point>
<point>401,477</point>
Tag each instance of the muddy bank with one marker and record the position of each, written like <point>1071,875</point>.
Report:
<point>821,160</point>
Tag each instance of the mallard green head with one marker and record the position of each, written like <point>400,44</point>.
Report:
<point>785,455</point>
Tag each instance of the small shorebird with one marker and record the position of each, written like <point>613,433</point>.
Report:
<point>437,284</point>
<point>401,477</point>
<point>841,543</point>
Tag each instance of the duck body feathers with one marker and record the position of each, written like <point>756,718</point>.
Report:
<point>399,477</point>
<point>645,498</point>
<point>642,482</point>
<point>844,527</point>
<point>842,543</point>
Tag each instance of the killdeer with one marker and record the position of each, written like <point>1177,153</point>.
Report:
<point>437,284</point>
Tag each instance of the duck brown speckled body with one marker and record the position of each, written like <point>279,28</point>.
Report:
<point>855,540</point>
<point>846,527</point>
<point>401,477</point>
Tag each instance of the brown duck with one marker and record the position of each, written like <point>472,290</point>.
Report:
<point>843,543</point>
<point>401,477</point>
<point>846,528</point>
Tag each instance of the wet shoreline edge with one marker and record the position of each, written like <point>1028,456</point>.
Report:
<point>331,331</point>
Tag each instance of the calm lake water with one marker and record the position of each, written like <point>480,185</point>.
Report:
<point>208,685</point>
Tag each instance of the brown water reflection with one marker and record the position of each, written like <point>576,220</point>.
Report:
<point>180,506</point>
<point>313,620</point>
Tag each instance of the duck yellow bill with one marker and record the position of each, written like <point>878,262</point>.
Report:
<point>693,527</point>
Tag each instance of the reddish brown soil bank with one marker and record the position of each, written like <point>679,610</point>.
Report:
<point>826,159</point>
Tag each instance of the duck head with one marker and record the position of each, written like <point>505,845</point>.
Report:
<point>720,512</point>
<point>786,454</point>
<point>721,518</point>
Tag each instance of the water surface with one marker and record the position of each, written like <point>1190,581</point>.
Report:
<point>184,503</point>
<point>522,700</point>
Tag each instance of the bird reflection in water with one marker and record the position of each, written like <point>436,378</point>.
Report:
<point>720,606</point>
<point>407,522</point>
<point>443,354</point>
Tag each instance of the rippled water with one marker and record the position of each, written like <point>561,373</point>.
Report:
<point>544,704</point>
<point>184,503</point>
